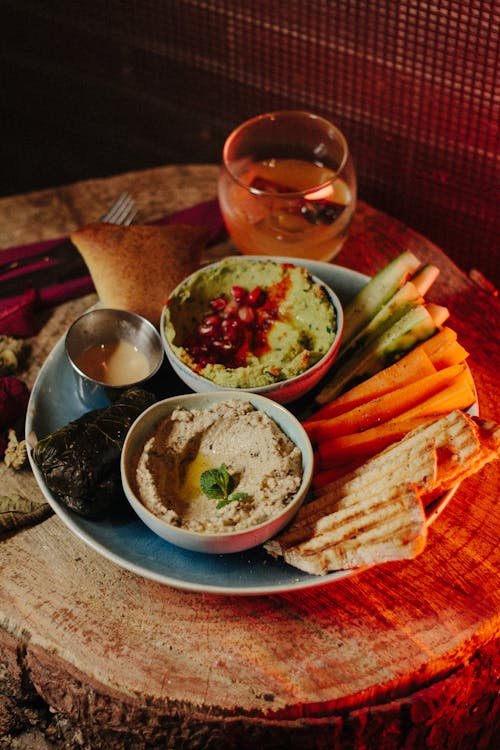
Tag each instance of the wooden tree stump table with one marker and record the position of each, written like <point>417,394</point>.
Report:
<point>403,655</point>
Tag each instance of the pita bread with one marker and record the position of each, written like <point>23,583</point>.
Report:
<point>372,529</point>
<point>376,513</point>
<point>467,457</point>
<point>136,267</point>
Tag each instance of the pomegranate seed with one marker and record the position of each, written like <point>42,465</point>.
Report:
<point>218,303</point>
<point>231,308</point>
<point>205,330</point>
<point>212,320</point>
<point>231,328</point>
<point>246,314</point>
<point>256,297</point>
<point>223,345</point>
<point>239,293</point>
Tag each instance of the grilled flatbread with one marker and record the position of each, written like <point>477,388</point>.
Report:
<point>376,513</point>
<point>370,529</point>
<point>136,267</point>
<point>412,463</point>
<point>467,461</point>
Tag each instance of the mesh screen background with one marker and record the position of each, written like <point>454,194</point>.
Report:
<point>112,85</point>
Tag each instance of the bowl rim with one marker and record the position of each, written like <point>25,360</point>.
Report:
<point>280,384</point>
<point>167,405</point>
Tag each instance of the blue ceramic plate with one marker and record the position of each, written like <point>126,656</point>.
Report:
<point>125,539</point>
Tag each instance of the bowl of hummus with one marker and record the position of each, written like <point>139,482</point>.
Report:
<point>216,472</point>
<point>257,324</point>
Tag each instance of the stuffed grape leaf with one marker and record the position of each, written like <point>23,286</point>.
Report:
<point>80,462</point>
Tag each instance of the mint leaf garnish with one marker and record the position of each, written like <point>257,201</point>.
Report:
<point>217,484</point>
<point>232,499</point>
<point>239,496</point>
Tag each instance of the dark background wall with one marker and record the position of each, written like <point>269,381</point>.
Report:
<point>90,89</point>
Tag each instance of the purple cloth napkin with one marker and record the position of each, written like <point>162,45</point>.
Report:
<point>18,315</point>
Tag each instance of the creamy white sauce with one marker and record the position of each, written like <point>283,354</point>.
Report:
<point>116,363</point>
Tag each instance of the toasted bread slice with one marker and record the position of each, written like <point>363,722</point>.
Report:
<point>469,457</point>
<point>489,434</point>
<point>136,267</point>
<point>375,513</point>
<point>412,462</point>
<point>371,530</point>
<point>370,483</point>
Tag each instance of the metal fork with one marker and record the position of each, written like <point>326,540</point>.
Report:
<point>123,211</point>
<point>60,262</point>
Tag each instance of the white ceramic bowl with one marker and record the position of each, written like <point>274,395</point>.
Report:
<point>284,391</point>
<point>215,543</point>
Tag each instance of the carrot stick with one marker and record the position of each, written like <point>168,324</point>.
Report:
<point>409,369</point>
<point>383,408</point>
<point>322,477</point>
<point>470,380</point>
<point>361,445</point>
<point>433,344</point>
<point>458,395</point>
<point>451,353</point>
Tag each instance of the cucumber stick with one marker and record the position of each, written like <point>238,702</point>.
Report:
<point>392,344</point>
<point>404,300</point>
<point>368,301</point>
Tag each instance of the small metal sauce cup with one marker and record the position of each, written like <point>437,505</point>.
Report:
<point>108,326</point>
